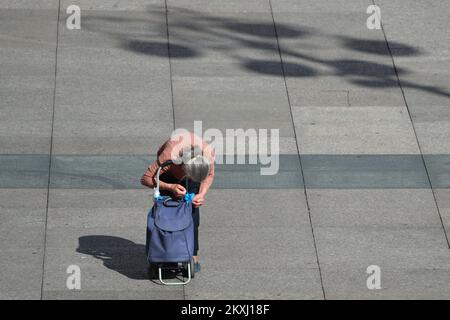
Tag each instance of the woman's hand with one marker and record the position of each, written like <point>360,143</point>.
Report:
<point>198,200</point>
<point>178,190</point>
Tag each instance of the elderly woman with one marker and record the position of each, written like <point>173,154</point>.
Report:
<point>193,165</point>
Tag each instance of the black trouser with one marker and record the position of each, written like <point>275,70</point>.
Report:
<point>193,187</point>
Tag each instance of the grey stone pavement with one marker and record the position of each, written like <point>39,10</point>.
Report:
<point>364,119</point>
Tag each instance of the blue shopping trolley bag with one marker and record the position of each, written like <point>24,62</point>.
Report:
<point>170,230</point>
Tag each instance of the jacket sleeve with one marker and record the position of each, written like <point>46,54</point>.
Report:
<point>149,177</point>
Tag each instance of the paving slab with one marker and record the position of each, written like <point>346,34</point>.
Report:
<point>111,269</point>
<point>438,170</point>
<point>21,273</point>
<point>249,248</point>
<point>396,284</point>
<point>214,6</point>
<point>232,208</point>
<point>267,284</point>
<point>98,208</point>
<point>442,199</point>
<point>337,53</point>
<point>105,208</point>
<point>202,98</point>
<point>368,171</point>
<point>112,295</point>
<point>426,15</point>
<point>434,137</point>
<point>388,247</point>
<point>427,90</point>
<point>109,258</point>
<point>83,230</point>
<point>298,6</point>
<point>253,233</point>
<point>28,60</point>
<point>95,113</point>
<point>354,130</point>
<point>426,87</point>
<point>112,5</point>
<point>390,208</point>
<point>214,86</point>
<point>24,4</point>
<point>22,242</point>
<point>24,171</point>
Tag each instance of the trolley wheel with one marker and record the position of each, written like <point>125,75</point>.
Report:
<point>153,271</point>
<point>192,268</point>
<point>185,269</point>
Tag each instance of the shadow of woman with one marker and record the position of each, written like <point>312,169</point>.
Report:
<point>118,254</point>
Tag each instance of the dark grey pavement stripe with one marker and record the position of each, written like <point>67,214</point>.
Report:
<point>24,171</point>
<point>321,171</point>
<point>364,171</point>
<point>124,172</point>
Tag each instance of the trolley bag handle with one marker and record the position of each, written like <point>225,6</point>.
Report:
<point>169,202</point>
<point>157,194</point>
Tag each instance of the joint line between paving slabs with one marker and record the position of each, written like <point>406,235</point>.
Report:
<point>298,149</point>
<point>170,62</point>
<point>50,154</point>
<point>415,132</point>
<point>166,9</point>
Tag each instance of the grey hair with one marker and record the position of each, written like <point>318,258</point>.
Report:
<point>197,168</point>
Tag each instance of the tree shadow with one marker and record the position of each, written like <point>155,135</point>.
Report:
<point>196,34</point>
<point>263,29</point>
<point>361,68</point>
<point>160,49</point>
<point>118,254</point>
<point>378,47</point>
<point>274,68</point>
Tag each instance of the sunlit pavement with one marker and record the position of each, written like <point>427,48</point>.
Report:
<point>364,124</point>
